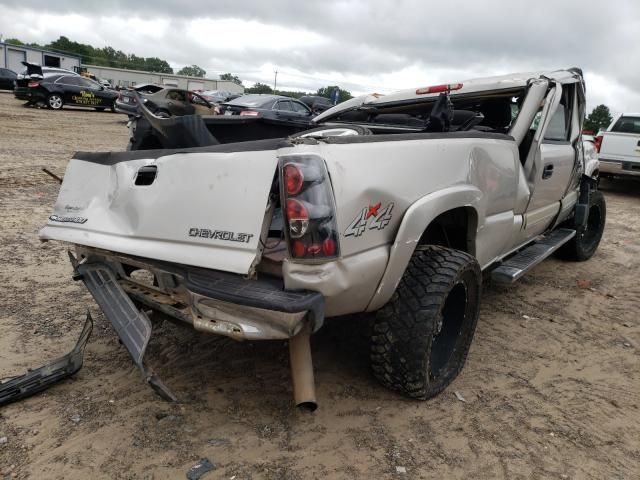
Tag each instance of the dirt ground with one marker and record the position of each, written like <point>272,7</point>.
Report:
<point>551,388</point>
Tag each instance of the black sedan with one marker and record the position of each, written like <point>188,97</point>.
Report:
<point>33,71</point>
<point>58,90</point>
<point>276,107</point>
<point>316,103</point>
<point>7,79</point>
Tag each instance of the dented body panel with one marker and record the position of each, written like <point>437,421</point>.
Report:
<point>215,209</point>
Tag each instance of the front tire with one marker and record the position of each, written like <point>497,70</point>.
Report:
<point>421,338</point>
<point>54,101</point>
<point>587,239</point>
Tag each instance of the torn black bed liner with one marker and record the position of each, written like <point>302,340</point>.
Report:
<point>39,379</point>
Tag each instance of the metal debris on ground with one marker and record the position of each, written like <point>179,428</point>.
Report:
<point>199,469</point>
<point>459,396</point>
<point>401,470</point>
<point>39,379</point>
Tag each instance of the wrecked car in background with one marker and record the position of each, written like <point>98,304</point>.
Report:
<point>394,205</point>
<point>164,102</point>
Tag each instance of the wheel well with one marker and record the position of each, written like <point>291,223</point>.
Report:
<point>454,229</point>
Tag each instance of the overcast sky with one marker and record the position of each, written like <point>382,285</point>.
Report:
<point>364,46</point>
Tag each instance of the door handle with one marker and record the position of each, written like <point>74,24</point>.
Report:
<point>547,171</point>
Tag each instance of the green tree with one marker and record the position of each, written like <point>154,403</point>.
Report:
<point>258,88</point>
<point>599,118</point>
<point>327,91</point>
<point>14,41</point>
<point>231,77</point>
<point>192,71</point>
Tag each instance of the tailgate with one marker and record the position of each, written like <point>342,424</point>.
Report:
<point>204,209</point>
<point>620,146</point>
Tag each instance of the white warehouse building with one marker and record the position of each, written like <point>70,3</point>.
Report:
<point>127,78</point>
<point>12,56</point>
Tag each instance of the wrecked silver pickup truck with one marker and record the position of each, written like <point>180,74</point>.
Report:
<point>393,205</point>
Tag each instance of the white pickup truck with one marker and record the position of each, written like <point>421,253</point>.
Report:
<point>619,146</point>
<point>393,205</point>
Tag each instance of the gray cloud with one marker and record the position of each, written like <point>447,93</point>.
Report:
<point>365,42</point>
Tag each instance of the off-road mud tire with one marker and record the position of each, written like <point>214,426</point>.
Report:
<point>586,241</point>
<point>439,292</point>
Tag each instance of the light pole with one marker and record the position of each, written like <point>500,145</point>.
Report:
<point>275,80</point>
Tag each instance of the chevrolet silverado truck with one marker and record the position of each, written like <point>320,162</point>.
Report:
<point>397,205</point>
<point>619,147</point>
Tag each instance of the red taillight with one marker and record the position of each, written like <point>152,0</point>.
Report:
<point>299,249</point>
<point>293,179</point>
<point>598,142</point>
<point>249,113</point>
<point>439,88</point>
<point>33,83</point>
<point>329,247</point>
<point>296,210</point>
<point>307,199</point>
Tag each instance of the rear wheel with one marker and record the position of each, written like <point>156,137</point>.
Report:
<point>587,238</point>
<point>54,101</point>
<point>422,336</point>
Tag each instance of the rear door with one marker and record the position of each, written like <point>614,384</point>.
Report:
<point>71,86</point>
<point>284,110</point>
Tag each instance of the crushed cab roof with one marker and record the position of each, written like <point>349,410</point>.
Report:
<point>500,82</point>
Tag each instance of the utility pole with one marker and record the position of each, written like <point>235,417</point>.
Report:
<point>275,80</point>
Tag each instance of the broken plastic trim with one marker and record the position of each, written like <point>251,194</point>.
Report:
<point>132,326</point>
<point>34,381</point>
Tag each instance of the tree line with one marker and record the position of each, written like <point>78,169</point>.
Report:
<point>110,57</point>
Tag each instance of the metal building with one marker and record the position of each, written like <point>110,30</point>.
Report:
<point>128,78</point>
<point>12,56</point>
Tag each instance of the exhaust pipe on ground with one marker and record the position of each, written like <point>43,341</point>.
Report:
<point>304,389</point>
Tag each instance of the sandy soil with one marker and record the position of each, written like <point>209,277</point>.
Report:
<point>551,386</point>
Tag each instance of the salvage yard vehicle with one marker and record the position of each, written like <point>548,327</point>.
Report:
<point>316,103</point>
<point>268,106</point>
<point>59,90</point>
<point>127,101</point>
<point>619,147</point>
<point>394,205</point>
<point>7,79</point>
<point>167,102</point>
<point>33,71</point>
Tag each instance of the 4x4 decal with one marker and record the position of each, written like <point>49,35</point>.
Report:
<point>380,219</point>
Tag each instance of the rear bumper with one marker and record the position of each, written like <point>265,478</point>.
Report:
<point>619,167</point>
<point>21,93</point>
<point>210,300</point>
